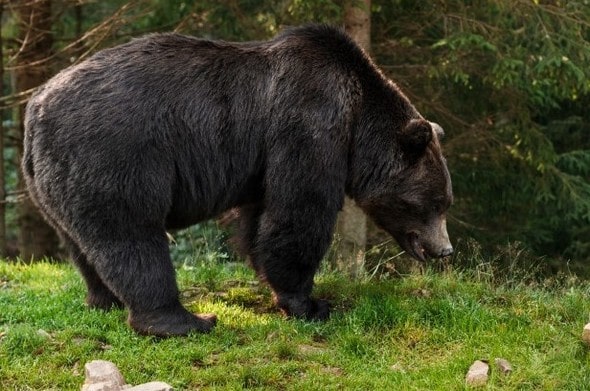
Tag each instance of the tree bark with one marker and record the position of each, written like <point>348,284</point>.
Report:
<point>36,238</point>
<point>351,227</point>
<point>2,173</point>
<point>357,22</point>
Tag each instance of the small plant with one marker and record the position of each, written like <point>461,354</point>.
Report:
<point>204,242</point>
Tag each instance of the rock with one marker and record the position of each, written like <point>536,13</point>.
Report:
<point>152,386</point>
<point>586,335</point>
<point>309,349</point>
<point>503,366</point>
<point>44,334</point>
<point>477,374</point>
<point>102,375</point>
<point>101,386</point>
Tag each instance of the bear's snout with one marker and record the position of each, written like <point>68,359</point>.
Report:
<point>437,240</point>
<point>446,251</point>
<point>431,242</point>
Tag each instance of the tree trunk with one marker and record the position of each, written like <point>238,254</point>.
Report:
<point>36,238</point>
<point>2,173</point>
<point>351,227</point>
<point>357,22</point>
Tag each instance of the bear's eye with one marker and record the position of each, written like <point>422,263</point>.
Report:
<point>435,208</point>
<point>438,205</point>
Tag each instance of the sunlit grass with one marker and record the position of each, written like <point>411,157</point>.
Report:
<point>419,332</point>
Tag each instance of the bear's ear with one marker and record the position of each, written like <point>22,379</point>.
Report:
<point>438,130</point>
<point>417,135</point>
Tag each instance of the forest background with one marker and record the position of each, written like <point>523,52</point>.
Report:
<point>509,81</point>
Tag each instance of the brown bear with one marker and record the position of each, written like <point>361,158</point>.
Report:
<point>168,130</point>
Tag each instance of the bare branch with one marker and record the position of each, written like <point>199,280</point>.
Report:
<point>102,30</point>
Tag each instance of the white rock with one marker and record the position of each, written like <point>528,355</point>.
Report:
<point>101,386</point>
<point>503,366</point>
<point>102,376</point>
<point>586,334</point>
<point>152,386</point>
<point>477,374</point>
<point>44,334</point>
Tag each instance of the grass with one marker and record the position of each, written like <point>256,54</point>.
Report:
<point>419,332</point>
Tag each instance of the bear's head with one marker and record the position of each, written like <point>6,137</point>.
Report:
<point>413,198</point>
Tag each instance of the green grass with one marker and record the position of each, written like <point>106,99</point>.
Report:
<point>420,332</point>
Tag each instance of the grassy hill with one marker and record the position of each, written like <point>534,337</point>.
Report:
<point>416,332</point>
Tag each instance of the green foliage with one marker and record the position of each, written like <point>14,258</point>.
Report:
<point>509,82</point>
<point>420,332</point>
<point>205,242</point>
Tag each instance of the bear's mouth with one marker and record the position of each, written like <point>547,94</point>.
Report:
<point>416,248</point>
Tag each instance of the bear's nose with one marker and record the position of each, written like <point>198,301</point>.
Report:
<point>447,251</point>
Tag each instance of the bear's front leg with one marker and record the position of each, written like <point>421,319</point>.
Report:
<point>286,254</point>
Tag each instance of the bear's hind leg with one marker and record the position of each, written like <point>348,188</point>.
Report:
<point>137,267</point>
<point>99,295</point>
<point>243,225</point>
